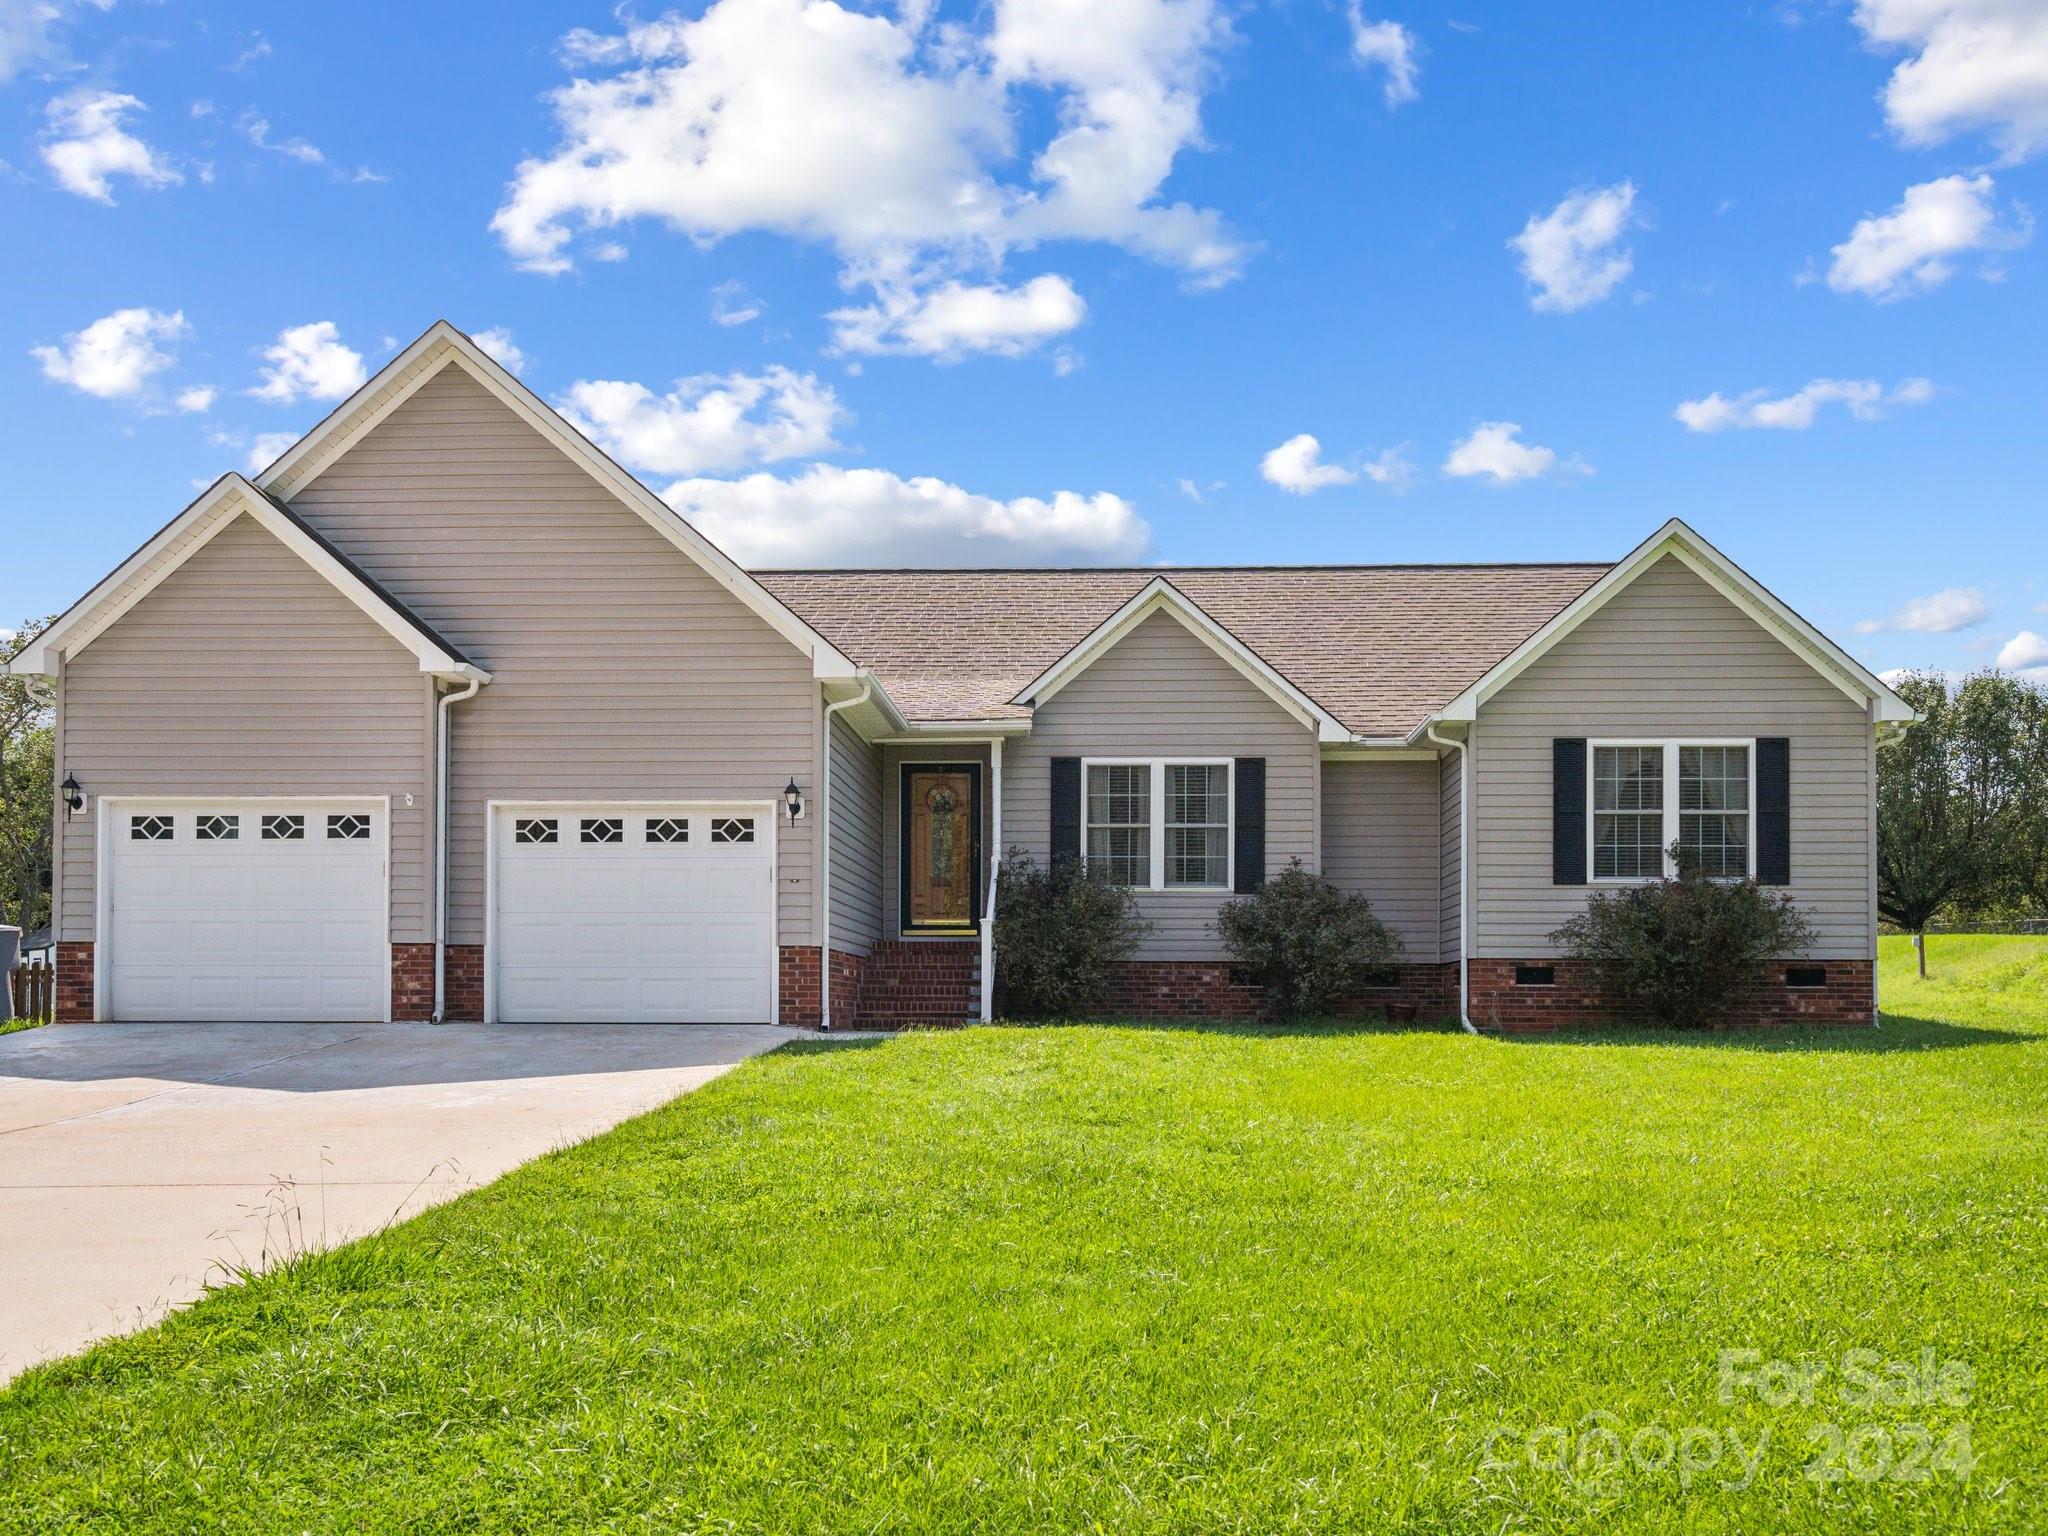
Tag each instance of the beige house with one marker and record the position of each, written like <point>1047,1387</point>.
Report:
<point>444,714</point>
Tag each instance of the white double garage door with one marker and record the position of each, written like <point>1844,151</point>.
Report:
<point>279,910</point>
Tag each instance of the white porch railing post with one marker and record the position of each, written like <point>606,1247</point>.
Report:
<point>995,863</point>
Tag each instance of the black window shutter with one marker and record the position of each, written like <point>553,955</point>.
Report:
<point>1568,810</point>
<point>1250,778</point>
<point>1774,810</point>
<point>1066,808</point>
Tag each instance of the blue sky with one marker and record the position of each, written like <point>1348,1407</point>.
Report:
<point>1041,280</point>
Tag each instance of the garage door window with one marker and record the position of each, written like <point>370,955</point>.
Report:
<point>284,828</point>
<point>218,829</point>
<point>669,829</point>
<point>732,829</point>
<point>533,829</point>
<point>149,829</point>
<point>349,829</point>
<point>603,829</point>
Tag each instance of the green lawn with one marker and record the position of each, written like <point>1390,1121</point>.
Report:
<point>1161,1279</point>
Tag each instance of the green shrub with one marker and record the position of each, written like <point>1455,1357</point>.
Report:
<point>1679,950</point>
<point>1060,933</point>
<point>1309,944</point>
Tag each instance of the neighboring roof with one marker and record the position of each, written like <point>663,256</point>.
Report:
<point>441,345</point>
<point>229,497</point>
<point>40,939</point>
<point>1680,542</point>
<point>1379,647</point>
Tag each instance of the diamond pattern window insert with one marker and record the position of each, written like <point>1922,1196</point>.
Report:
<point>732,829</point>
<point>1713,808</point>
<point>350,828</point>
<point>668,829</point>
<point>217,828</point>
<point>1120,822</point>
<point>1197,824</point>
<point>149,829</point>
<point>602,829</point>
<point>1628,812</point>
<point>527,830</point>
<point>284,828</point>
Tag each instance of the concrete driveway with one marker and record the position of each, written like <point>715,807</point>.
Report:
<point>138,1162</point>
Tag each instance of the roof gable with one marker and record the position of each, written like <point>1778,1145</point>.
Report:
<point>229,498</point>
<point>1160,596</point>
<point>443,346</point>
<point>1679,541</point>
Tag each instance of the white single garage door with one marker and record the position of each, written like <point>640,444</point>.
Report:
<point>230,910</point>
<point>634,914</point>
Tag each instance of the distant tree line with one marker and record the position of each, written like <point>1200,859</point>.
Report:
<point>1962,809</point>
<point>27,792</point>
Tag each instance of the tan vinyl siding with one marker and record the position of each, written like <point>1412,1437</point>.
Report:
<point>1451,912</point>
<point>1669,657</point>
<point>1160,692</point>
<point>622,671</point>
<point>893,759</point>
<point>855,858</point>
<point>245,673</point>
<point>1383,839</point>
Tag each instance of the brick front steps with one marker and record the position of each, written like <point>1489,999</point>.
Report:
<point>920,984</point>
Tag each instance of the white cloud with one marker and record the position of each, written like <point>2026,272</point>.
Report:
<point>28,34</point>
<point>268,448</point>
<point>888,138</point>
<point>1386,45</point>
<point>310,360</point>
<point>1975,64</point>
<point>1572,256</point>
<point>832,516</point>
<point>732,304</point>
<point>497,343</point>
<point>712,421</point>
<point>1943,613</point>
<point>199,398</point>
<point>1296,466</point>
<point>86,143</point>
<point>1189,489</point>
<point>2023,650</point>
<point>256,130</point>
<point>1866,400</point>
<point>116,356</point>
<point>954,319</point>
<point>1915,246</point>
<point>1494,452</point>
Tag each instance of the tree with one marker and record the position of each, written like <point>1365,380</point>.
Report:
<point>27,793</point>
<point>1952,797</point>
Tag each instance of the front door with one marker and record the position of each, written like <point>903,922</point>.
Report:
<point>940,857</point>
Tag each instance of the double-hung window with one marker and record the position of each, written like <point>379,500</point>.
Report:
<point>1646,796</point>
<point>1160,824</point>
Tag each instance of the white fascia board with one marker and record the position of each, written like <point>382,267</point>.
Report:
<point>1160,596</point>
<point>141,573</point>
<point>1377,752</point>
<point>1677,539</point>
<point>443,344</point>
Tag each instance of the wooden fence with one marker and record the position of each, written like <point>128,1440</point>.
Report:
<point>32,992</point>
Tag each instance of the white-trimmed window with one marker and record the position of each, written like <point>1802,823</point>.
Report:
<point>1159,824</point>
<point>1644,796</point>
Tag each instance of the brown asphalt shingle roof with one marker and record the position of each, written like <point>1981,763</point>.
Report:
<point>1379,647</point>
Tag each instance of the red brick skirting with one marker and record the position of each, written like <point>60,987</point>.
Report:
<point>1573,1001</point>
<point>462,987</point>
<point>797,986</point>
<point>412,983</point>
<point>1203,989</point>
<point>73,1003</point>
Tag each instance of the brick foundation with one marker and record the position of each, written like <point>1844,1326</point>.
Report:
<point>797,986</point>
<point>462,988</point>
<point>73,1003</point>
<point>1202,989</point>
<point>1573,1001</point>
<point>412,983</point>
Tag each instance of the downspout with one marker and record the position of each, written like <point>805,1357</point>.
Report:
<point>824,856</point>
<point>1464,875</point>
<point>441,819</point>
